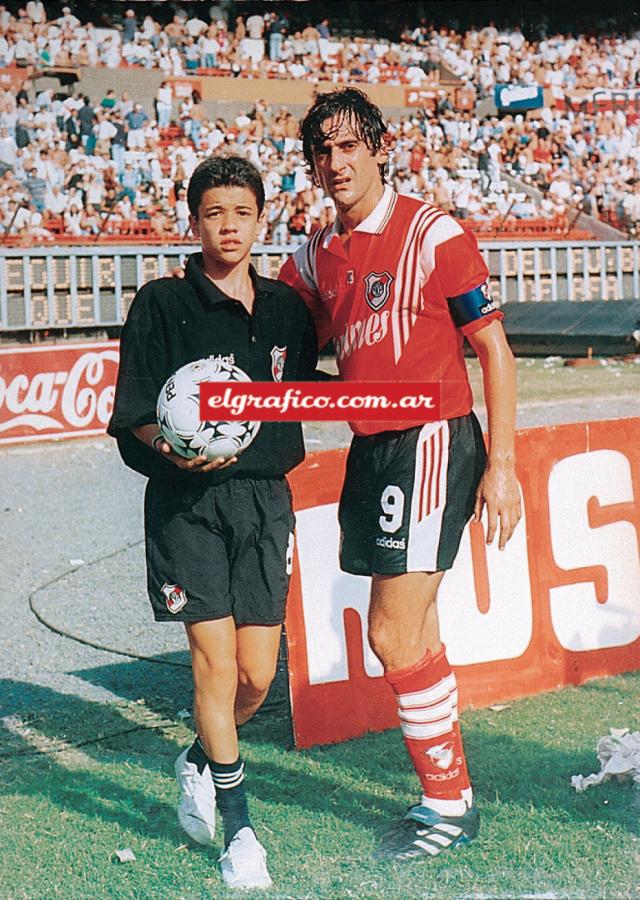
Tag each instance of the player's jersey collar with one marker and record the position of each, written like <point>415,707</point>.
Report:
<point>375,221</point>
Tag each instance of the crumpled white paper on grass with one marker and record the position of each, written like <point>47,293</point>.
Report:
<point>619,757</point>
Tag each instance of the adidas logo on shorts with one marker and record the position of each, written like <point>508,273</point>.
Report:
<point>389,543</point>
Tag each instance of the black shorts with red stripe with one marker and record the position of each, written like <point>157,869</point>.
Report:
<point>408,495</point>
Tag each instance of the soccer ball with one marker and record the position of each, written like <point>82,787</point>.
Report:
<point>178,413</point>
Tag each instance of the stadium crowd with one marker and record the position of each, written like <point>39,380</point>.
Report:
<point>267,45</point>
<point>90,167</point>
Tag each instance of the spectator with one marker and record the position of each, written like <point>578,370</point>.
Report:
<point>182,212</point>
<point>67,22</point>
<point>164,102</point>
<point>198,118</point>
<point>209,48</point>
<point>277,32</point>
<point>299,224</point>
<point>195,27</point>
<point>8,150</point>
<point>37,188</point>
<point>36,12</point>
<point>252,47</point>
<point>87,117</point>
<point>109,99</point>
<point>72,129</point>
<point>129,27</point>
<point>461,198</point>
<point>136,120</point>
<point>277,220</point>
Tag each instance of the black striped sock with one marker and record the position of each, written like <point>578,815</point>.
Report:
<point>197,755</point>
<point>231,799</point>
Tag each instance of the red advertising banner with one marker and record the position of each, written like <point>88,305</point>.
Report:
<point>560,605</point>
<point>56,391</point>
<point>414,96</point>
<point>12,78</point>
<point>183,88</point>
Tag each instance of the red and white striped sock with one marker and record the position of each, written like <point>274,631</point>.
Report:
<point>427,697</point>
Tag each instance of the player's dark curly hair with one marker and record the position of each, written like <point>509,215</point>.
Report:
<point>224,171</point>
<point>349,104</point>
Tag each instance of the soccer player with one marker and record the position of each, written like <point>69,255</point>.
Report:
<point>219,534</point>
<point>398,284</point>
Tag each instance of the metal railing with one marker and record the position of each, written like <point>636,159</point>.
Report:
<point>44,288</point>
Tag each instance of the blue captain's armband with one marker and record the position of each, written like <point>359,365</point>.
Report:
<point>472,305</point>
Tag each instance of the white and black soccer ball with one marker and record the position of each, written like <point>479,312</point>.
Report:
<point>178,413</point>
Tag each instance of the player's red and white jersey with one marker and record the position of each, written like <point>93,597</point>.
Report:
<point>384,297</point>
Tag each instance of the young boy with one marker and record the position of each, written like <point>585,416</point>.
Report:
<point>219,534</point>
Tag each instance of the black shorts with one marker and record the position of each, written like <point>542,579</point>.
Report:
<point>225,550</point>
<point>408,495</point>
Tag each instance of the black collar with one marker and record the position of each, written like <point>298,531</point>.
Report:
<point>210,293</point>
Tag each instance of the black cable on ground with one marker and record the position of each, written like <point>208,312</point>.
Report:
<point>85,641</point>
<point>272,702</point>
<point>73,745</point>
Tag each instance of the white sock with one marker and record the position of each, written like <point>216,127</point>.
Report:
<point>449,807</point>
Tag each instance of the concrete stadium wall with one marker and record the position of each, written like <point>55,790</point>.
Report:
<point>226,97</point>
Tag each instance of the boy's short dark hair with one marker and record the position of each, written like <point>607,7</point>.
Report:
<point>351,105</point>
<point>224,171</point>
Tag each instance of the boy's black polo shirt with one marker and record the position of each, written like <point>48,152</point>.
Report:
<point>174,321</point>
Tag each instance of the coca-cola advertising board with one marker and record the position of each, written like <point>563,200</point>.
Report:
<point>55,392</point>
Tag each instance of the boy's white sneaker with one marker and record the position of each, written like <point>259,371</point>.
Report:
<point>197,804</point>
<point>244,863</point>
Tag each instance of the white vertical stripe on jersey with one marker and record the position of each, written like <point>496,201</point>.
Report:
<point>409,282</point>
<point>302,262</point>
<point>424,530</point>
<point>446,228</point>
<point>414,297</point>
<point>423,214</point>
<point>415,277</point>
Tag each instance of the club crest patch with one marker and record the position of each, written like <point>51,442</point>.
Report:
<point>175,597</point>
<point>377,289</point>
<point>441,755</point>
<point>278,357</point>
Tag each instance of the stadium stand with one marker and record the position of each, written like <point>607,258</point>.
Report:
<point>89,169</point>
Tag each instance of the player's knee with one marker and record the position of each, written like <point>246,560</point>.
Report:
<point>210,668</point>
<point>383,642</point>
<point>394,649</point>
<point>255,682</point>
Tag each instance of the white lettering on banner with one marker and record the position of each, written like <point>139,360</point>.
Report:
<point>79,406</point>
<point>505,630</point>
<point>579,621</point>
<point>516,93</point>
<point>81,402</point>
<point>326,593</point>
